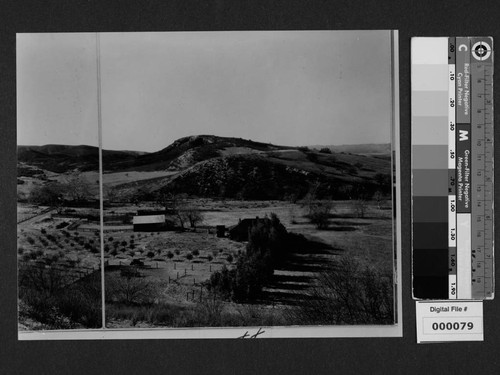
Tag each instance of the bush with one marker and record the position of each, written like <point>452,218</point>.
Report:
<point>20,250</point>
<point>30,240</point>
<point>131,290</point>
<point>267,245</point>
<point>150,254</point>
<point>170,255</point>
<point>210,258</point>
<point>325,150</point>
<point>349,293</point>
<point>43,231</point>
<point>196,252</point>
<point>55,305</point>
<point>189,256</point>
<point>177,251</point>
<point>319,214</point>
<point>360,207</point>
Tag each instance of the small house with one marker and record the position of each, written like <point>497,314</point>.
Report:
<point>149,223</point>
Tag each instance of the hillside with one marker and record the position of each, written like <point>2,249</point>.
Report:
<point>211,166</point>
<point>186,152</point>
<point>64,158</point>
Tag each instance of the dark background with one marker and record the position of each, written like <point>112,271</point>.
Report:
<point>277,356</point>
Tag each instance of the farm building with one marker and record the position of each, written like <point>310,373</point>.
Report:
<point>239,232</point>
<point>149,223</point>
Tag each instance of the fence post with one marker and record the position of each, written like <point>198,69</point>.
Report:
<point>185,271</point>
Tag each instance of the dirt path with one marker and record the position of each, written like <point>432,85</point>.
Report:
<point>32,220</point>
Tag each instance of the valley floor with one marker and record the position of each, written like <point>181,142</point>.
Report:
<point>173,266</point>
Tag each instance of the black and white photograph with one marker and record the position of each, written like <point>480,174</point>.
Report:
<point>208,184</point>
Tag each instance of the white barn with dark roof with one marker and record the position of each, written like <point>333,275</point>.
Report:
<point>149,223</point>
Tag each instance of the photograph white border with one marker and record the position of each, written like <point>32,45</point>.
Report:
<point>340,331</point>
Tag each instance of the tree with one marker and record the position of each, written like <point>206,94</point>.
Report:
<point>50,194</point>
<point>193,216</point>
<point>320,214</point>
<point>378,197</point>
<point>130,288</point>
<point>325,150</point>
<point>78,188</point>
<point>360,207</point>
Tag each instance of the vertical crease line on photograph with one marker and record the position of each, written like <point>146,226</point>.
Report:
<point>101,206</point>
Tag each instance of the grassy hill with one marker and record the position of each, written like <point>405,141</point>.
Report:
<point>211,166</point>
<point>64,158</point>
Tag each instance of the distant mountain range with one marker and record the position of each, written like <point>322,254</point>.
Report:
<point>211,166</point>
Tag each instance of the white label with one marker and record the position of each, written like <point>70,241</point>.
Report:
<point>440,321</point>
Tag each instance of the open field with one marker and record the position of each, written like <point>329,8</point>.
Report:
<point>368,240</point>
<point>178,264</point>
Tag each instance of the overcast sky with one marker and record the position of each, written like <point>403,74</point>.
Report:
<point>288,88</point>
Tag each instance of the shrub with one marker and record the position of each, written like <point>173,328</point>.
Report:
<point>20,250</point>
<point>349,293</point>
<point>325,150</point>
<point>196,252</point>
<point>124,243</point>
<point>170,255</point>
<point>189,256</point>
<point>150,254</point>
<point>43,231</point>
<point>319,214</point>
<point>360,207</point>
<point>177,251</point>
<point>267,245</point>
<point>62,225</point>
<point>210,258</point>
<point>30,240</point>
<point>110,239</point>
<point>114,252</point>
<point>130,289</point>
